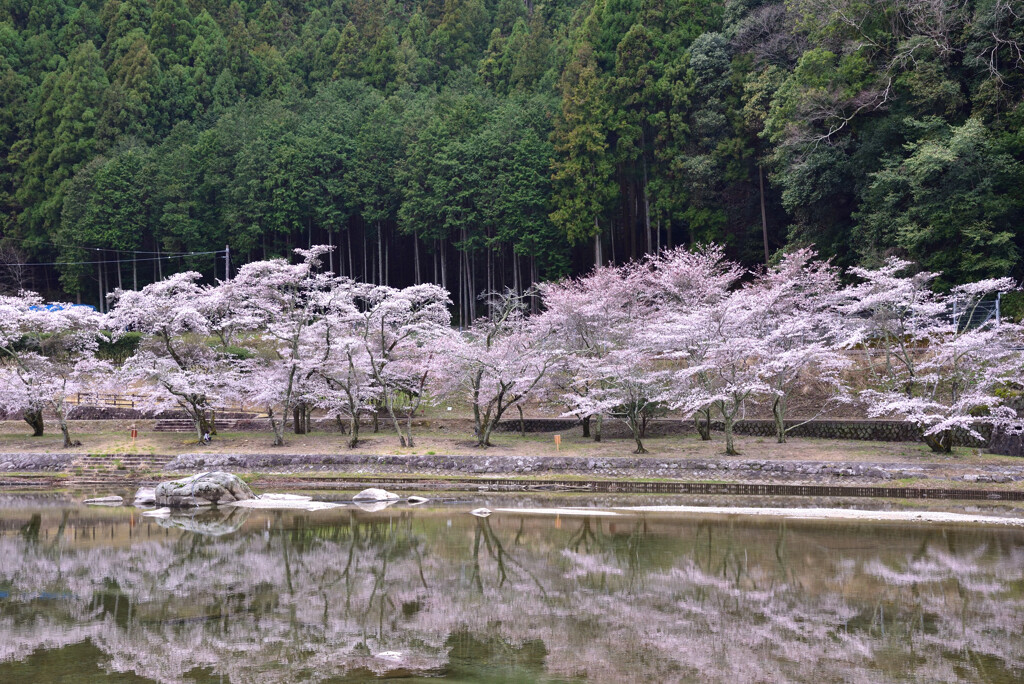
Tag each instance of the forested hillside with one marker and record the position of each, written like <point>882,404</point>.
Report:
<point>489,143</point>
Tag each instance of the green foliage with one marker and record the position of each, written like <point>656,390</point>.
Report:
<point>503,128</point>
<point>1012,306</point>
<point>583,168</point>
<point>953,187</point>
<point>240,353</point>
<point>118,350</point>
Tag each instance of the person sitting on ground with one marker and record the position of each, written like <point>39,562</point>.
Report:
<point>206,437</point>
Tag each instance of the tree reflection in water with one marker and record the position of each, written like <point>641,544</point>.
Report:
<point>285,596</point>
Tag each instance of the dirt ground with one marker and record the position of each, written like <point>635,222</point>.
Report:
<point>455,438</point>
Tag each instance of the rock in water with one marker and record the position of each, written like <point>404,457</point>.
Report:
<point>416,500</point>
<point>208,522</point>
<point>269,496</point>
<point>372,506</point>
<point>105,501</point>
<point>375,494</point>
<point>204,489</point>
<point>480,512</point>
<point>146,496</point>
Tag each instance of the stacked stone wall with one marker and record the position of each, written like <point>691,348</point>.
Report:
<point>1007,444</point>
<point>868,430</point>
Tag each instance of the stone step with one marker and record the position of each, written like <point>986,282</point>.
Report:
<point>127,459</point>
<point>113,471</point>
<point>112,467</point>
<point>106,484</point>
<point>116,469</point>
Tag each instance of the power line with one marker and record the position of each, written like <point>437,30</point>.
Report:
<point>91,249</point>
<point>115,261</point>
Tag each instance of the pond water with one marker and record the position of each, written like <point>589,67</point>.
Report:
<point>103,594</point>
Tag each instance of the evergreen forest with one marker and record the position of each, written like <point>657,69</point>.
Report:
<point>489,144</point>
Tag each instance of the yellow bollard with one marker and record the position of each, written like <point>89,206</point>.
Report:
<point>558,442</point>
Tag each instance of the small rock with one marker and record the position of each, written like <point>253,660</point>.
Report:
<point>373,506</point>
<point>284,497</point>
<point>375,494</point>
<point>145,496</point>
<point>105,501</point>
<point>158,513</point>
<point>417,500</point>
<point>480,512</point>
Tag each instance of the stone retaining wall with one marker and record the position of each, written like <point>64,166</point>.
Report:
<point>21,462</point>
<point>729,469</point>
<point>635,466</point>
<point>870,430</point>
<point>1007,444</point>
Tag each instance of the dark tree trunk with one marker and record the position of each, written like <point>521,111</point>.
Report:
<point>586,426</point>
<point>206,424</point>
<point>779,413</point>
<point>35,419</point>
<point>64,431</point>
<point>354,425</point>
<point>941,443</point>
<point>730,448</point>
<point>702,419</point>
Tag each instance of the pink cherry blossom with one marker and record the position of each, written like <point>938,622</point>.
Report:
<point>47,354</point>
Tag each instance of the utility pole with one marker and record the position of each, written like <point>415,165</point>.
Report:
<point>764,217</point>
<point>227,262</point>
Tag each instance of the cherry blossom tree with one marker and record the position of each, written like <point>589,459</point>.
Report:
<point>184,360</point>
<point>338,373</point>
<point>274,304</point>
<point>688,290</point>
<point>598,321</point>
<point>930,362</point>
<point>725,368</point>
<point>624,384</point>
<point>581,314</point>
<point>47,354</point>
<point>497,364</point>
<point>803,332</point>
<point>398,329</point>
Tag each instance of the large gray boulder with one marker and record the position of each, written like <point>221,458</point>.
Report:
<point>204,489</point>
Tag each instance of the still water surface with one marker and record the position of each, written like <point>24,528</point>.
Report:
<point>102,594</point>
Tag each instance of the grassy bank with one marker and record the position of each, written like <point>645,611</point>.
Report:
<point>455,438</point>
